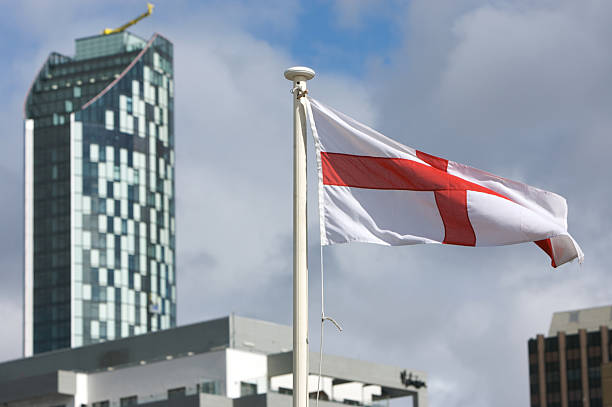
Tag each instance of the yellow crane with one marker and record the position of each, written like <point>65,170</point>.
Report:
<point>147,13</point>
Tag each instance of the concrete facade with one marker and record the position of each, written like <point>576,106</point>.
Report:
<point>227,362</point>
<point>589,319</point>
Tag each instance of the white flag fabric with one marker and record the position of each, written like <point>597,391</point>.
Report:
<point>373,189</point>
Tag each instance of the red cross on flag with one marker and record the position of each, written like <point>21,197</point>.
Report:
<point>373,189</point>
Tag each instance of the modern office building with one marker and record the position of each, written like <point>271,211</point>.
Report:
<point>99,194</point>
<point>227,362</point>
<point>571,366</point>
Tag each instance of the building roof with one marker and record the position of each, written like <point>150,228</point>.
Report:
<point>228,332</point>
<point>590,319</point>
<point>102,45</point>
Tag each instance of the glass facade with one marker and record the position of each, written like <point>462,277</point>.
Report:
<point>102,247</point>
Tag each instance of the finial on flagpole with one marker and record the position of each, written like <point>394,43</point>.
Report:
<point>297,73</point>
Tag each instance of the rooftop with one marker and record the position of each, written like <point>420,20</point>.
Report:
<point>590,319</point>
<point>103,45</point>
<point>228,332</point>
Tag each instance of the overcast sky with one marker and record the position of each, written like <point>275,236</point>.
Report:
<point>518,88</point>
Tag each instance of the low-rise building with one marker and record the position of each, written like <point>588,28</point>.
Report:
<point>227,362</point>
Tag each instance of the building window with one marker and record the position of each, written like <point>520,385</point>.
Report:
<point>551,344</point>
<point>573,341</point>
<point>247,389</point>
<point>176,393</point>
<point>128,401</point>
<point>109,120</point>
<point>209,388</point>
<point>322,396</point>
<point>104,403</point>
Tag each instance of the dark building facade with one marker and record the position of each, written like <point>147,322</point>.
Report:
<point>99,194</point>
<point>571,366</point>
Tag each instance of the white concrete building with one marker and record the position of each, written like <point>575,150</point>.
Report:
<point>228,362</point>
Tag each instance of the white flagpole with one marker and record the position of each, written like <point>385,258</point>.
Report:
<point>299,75</point>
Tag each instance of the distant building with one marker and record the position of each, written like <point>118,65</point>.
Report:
<point>99,194</point>
<point>571,367</point>
<point>227,362</point>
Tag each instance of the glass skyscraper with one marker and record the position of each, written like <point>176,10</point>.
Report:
<point>99,194</point>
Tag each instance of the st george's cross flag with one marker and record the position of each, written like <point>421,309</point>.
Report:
<point>373,189</point>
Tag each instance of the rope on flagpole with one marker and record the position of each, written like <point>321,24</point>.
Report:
<point>323,319</point>
<point>300,93</point>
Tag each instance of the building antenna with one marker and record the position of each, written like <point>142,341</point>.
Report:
<point>147,13</point>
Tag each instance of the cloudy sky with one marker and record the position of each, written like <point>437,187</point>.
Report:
<point>518,88</point>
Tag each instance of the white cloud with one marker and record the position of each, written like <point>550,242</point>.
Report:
<point>234,169</point>
<point>233,146</point>
<point>518,89</point>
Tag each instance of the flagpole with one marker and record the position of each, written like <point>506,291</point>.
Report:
<point>299,75</point>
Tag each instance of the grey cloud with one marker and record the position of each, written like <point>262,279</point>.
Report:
<point>221,137</point>
<point>520,90</point>
<point>10,341</point>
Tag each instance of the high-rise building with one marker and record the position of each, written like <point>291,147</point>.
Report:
<point>99,194</point>
<point>571,366</point>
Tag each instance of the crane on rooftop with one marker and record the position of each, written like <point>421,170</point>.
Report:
<point>147,13</point>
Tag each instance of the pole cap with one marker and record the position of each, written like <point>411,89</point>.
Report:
<point>299,71</point>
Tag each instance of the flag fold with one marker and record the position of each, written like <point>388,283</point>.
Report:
<point>373,189</point>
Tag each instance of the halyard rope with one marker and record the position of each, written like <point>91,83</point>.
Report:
<point>323,319</point>
<point>306,104</point>
<point>300,93</point>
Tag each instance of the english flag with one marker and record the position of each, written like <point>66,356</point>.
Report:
<point>373,189</point>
